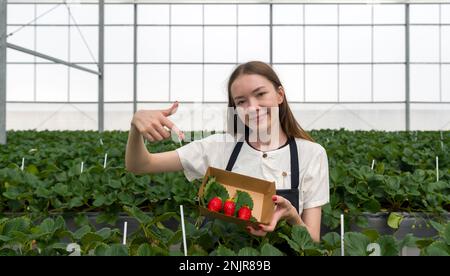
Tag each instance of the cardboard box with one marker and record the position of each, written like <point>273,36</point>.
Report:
<point>260,190</point>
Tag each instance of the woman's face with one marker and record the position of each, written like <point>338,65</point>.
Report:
<point>256,100</point>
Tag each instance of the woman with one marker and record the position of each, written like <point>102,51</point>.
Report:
<point>267,143</point>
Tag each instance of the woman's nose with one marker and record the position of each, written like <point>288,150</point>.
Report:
<point>253,105</point>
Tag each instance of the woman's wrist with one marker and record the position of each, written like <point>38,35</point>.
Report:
<point>293,217</point>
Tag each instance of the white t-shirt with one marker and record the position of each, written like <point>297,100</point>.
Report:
<point>215,151</point>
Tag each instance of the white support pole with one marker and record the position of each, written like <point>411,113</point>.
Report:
<point>23,164</point>
<point>125,227</point>
<point>373,164</point>
<point>104,162</point>
<point>342,235</point>
<point>3,34</point>
<point>183,230</point>
<point>82,167</point>
<point>437,168</point>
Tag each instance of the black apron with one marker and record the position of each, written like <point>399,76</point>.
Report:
<point>289,194</point>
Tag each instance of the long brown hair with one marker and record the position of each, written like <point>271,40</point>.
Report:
<point>289,124</point>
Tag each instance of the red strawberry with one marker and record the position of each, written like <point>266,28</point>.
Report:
<point>229,207</point>
<point>215,204</point>
<point>244,213</point>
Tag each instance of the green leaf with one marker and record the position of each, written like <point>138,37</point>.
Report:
<point>12,193</point>
<point>99,200</point>
<point>371,234</point>
<point>140,216</point>
<point>164,217</point>
<point>423,243</point>
<point>295,246</point>
<point>243,198</point>
<point>32,169</point>
<point>117,250</point>
<point>47,226</point>
<point>60,224</point>
<point>90,238</point>
<point>437,248</point>
<point>355,244</point>
<point>269,250</point>
<point>313,252</point>
<point>58,245</point>
<point>301,236</point>
<point>389,246</point>
<point>213,189</point>
<point>5,238</point>
<point>248,251</point>
<point>372,205</point>
<point>145,250</point>
<point>61,189</point>
<point>361,221</point>
<point>126,198</point>
<point>446,234</point>
<point>439,227</point>
<point>115,184</point>
<point>16,224</point>
<point>197,250</point>
<point>331,241</point>
<point>76,202</point>
<point>43,192</point>
<point>81,232</point>
<point>107,217</point>
<point>176,238</point>
<point>8,252</point>
<point>105,233</point>
<point>81,220</point>
<point>101,250</point>
<point>394,220</point>
<point>379,168</point>
<point>223,251</point>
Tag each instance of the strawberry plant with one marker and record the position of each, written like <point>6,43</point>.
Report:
<point>403,179</point>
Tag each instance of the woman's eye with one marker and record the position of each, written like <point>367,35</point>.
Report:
<point>240,102</point>
<point>260,94</point>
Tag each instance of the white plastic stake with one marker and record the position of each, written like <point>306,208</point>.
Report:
<point>101,141</point>
<point>183,230</point>
<point>23,163</point>
<point>106,158</point>
<point>373,164</point>
<point>442,137</point>
<point>125,225</point>
<point>437,168</point>
<point>82,166</point>
<point>442,145</point>
<point>342,234</point>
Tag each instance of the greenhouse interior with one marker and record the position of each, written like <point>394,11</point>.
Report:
<point>130,128</point>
